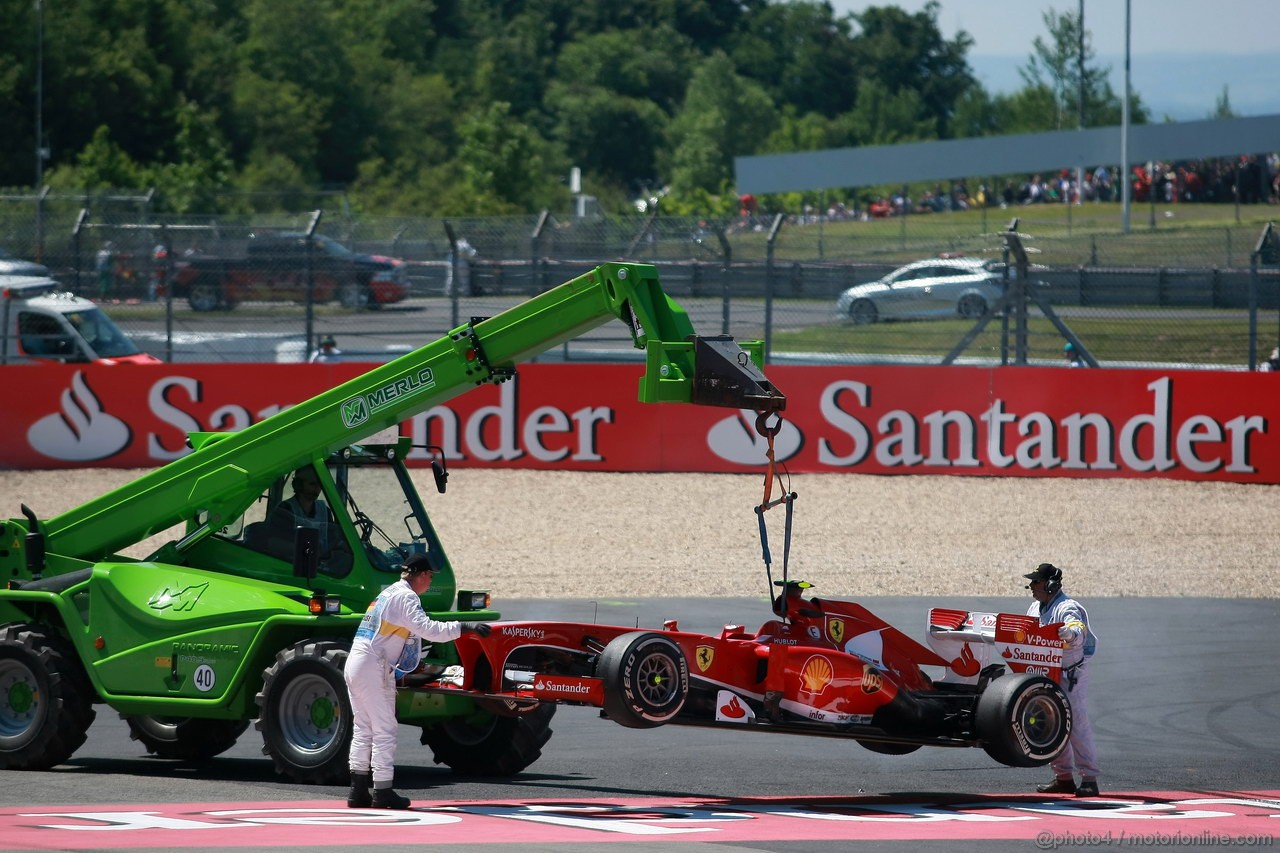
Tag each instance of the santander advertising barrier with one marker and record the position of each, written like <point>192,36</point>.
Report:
<point>999,421</point>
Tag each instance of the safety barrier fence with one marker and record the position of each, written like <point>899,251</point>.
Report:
<point>211,289</point>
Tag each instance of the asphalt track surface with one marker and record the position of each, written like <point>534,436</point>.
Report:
<point>1185,700</point>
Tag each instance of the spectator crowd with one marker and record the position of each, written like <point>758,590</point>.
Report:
<point>1255,179</point>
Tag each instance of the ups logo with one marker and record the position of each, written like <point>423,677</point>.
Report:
<point>872,680</point>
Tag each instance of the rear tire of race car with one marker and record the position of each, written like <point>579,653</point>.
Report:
<point>305,715</point>
<point>1023,720</point>
<point>184,738</point>
<point>646,679</point>
<point>863,312</point>
<point>45,699</point>
<point>486,744</point>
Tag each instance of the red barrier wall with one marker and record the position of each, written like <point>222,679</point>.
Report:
<point>1011,421</point>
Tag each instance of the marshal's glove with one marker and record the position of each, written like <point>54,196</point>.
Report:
<point>481,628</point>
<point>1066,633</point>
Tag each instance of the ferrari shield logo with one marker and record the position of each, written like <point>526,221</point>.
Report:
<point>704,656</point>
<point>835,629</point>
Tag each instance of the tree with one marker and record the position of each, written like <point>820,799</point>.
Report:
<point>723,115</point>
<point>906,53</point>
<point>1222,107</point>
<point>801,54</point>
<point>611,100</point>
<point>202,165</point>
<point>506,167</point>
<point>1055,67</point>
<point>884,117</point>
<point>100,165</point>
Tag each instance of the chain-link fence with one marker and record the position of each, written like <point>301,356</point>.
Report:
<point>266,287</point>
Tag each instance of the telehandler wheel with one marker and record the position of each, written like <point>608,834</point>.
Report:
<point>45,699</point>
<point>646,679</point>
<point>184,738</point>
<point>305,714</point>
<point>485,744</point>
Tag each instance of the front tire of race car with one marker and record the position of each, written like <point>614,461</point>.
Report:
<point>487,744</point>
<point>646,679</point>
<point>1023,720</point>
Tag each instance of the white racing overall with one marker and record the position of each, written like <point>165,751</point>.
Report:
<point>388,639</point>
<point>1079,754</point>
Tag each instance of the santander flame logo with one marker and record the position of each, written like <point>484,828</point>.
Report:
<point>734,439</point>
<point>966,664</point>
<point>82,431</point>
<point>733,709</point>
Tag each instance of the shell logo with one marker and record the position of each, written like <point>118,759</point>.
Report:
<point>872,680</point>
<point>1020,635</point>
<point>816,674</point>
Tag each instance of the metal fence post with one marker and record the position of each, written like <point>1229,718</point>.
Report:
<point>535,248</point>
<point>75,241</point>
<point>40,198</point>
<point>454,284</point>
<point>311,282</point>
<point>727,252</point>
<point>1253,310</point>
<point>768,284</point>
<point>164,272</point>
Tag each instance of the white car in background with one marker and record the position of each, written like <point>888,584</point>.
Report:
<point>934,288</point>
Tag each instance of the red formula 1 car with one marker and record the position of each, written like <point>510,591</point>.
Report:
<point>820,667</point>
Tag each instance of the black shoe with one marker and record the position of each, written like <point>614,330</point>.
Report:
<point>359,796</point>
<point>386,798</point>
<point>1087,788</point>
<point>1061,786</point>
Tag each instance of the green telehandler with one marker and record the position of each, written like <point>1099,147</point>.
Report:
<point>246,616</point>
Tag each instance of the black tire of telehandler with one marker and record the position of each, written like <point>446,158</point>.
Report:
<point>40,670</point>
<point>486,744</point>
<point>1024,720</point>
<point>305,712</point>
<point>184,738</point>
<point>646,679</point>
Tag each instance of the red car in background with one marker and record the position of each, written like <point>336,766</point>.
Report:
<point>277,266</point>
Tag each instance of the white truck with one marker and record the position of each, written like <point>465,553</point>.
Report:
<point>42,322</point>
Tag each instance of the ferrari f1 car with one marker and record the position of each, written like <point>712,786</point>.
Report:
<point>820,667</point>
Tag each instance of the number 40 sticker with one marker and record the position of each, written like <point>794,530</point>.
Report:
<point>204,678</point>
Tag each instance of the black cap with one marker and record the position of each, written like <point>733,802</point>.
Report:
<point>1044,572</point>
<point>415,564</point>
